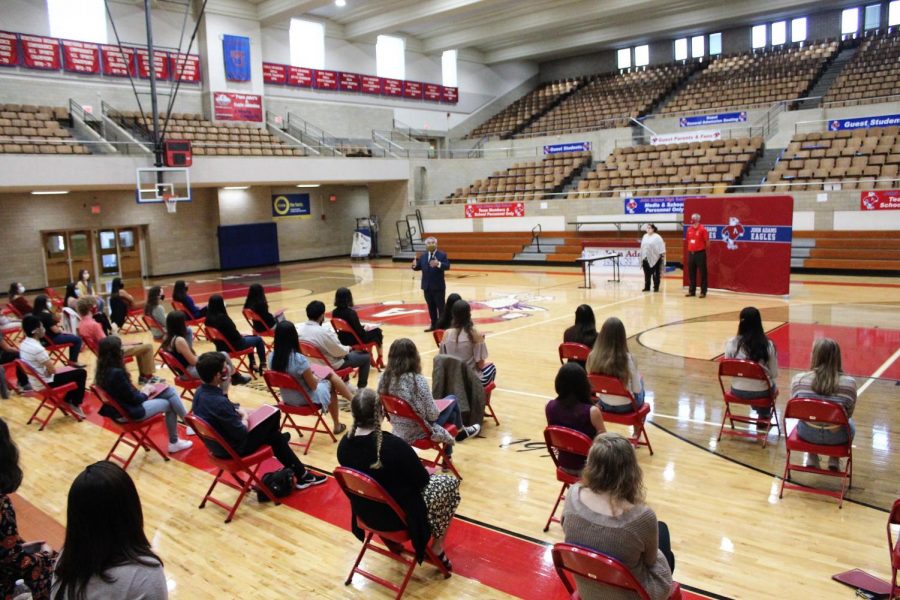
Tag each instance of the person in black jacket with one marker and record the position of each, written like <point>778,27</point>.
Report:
<point>343,309</point>
<point>152,399</point>
<point>428,501</point>
<point>256,301</point>
<point>217,318</point>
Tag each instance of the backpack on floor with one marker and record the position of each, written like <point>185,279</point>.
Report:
<point>281,482</point>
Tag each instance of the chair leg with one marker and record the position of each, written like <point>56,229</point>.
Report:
<point>362,551</point>
<point>787,473</point>
<point>149,444</point>
<point>562,494</point>
<point>646,437</point>
<point>447,461</point>
<point>724,418</point>
<point>212,487</point>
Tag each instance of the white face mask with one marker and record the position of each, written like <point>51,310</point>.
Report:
<point>21,289</point>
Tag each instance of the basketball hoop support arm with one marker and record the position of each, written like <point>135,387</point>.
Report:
<point>154,104</point>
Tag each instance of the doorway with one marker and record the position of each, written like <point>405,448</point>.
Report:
<point>107,253</point>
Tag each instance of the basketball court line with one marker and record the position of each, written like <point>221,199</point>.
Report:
<point>878,372</point>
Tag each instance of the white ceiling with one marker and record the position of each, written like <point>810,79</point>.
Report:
<point>501,30</point>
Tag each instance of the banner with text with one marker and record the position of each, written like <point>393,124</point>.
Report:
<point>9,49</point>
<point>290,206</point>
<point>705,135</point>
<point>237,107</point>
<point>570,147</point>
<point>236,52</point>
<point>40,52</point>
<point>495,209</point>
<point>864,122</point>
<point>656,205</point>
<point>731,117</point>
<point>879,200</point>
<point>81,57</point>
<point>118,62</point>
<point>185,67</point>
<point>629,262</point>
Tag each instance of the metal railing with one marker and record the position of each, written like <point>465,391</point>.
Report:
<point>536,236</point>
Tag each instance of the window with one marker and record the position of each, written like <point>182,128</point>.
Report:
<point>872,18</point>
<point>894,13</point>
<point>698,46</point>
<point>83,20</point>
<point>307,44</point>
<point>641,55</point>
<point>448,68</point>
<point>758,36</point>
<point>850,21</point>
<point>390,57</point>
<point>624,56</point>
<point>715,44</point>
<point>681,52</point>
<point>779,33</point>
<point>798,30</point>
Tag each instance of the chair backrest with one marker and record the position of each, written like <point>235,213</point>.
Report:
<point>573,351</point>
<point>356,483</point>
<point>438,335</point>
<point>14,310</point>
<point>894,519</point>
<point>610,386</point>
<point>310,350</point>
<point>89,342</point>
<point>401,408</point>
<point>150,322</point>
<point>342,326</point>
<point>29,370</point>
<point>108,400</point>
<point>70,320</point>
<point>817,410</point>
<point>562,439</point>
<point>277,379</point>
<point>253,319</point>
<point>736,367</point>
<point>215,335</point>
<point>176,367</point>
<point>206,433</point>
<point>593,565</point>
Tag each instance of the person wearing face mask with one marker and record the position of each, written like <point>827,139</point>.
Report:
<point>653,256</point>
<point>18,300</point>
<point>433,263</point>
<point>32,352</point>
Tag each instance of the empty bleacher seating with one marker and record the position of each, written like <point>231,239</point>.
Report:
<point>874,72</point>
<point>507,121</point>
<point>27,129</point>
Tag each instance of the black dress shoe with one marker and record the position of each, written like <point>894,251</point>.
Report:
<point>429,330</point>
<point>645,290</point>
<point>655,289</point>
<point>689,295</point>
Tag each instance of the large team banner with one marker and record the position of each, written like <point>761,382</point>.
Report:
<point>749,242</point>
<point>237,107</point>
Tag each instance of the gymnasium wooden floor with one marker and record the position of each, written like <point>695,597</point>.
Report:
<point>732,536</point>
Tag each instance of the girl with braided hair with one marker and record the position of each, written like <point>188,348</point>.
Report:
<point>429,501</point>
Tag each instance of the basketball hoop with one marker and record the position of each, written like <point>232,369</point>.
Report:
<point>171,204</point>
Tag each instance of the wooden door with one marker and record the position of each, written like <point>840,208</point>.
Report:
<point>130,253</point>
<point>56,258</point>
<point>81,255</point>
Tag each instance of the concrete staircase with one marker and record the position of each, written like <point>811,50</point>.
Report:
<point>757,172</point>
<point>823,84</point>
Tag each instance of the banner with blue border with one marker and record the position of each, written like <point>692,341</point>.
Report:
<point>236,52</point>
<point>290,206</point>
<point>656,205</point>
<point>570,147</point>
<point>864,122</point>
<point>731,117</point>
<point>736,232</point>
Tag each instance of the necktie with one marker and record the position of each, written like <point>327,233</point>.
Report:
<point>430,258</point>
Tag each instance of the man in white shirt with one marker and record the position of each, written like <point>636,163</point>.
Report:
<point>32,352</point>
<point>653,256</point>
<point>326,340</point>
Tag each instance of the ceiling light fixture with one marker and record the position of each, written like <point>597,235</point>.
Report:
<point>236,187</point>
<point>308,185</point>
<point>50,193</point>
<point>340,3</point>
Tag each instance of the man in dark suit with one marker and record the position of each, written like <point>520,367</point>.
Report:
<point>433,263</point>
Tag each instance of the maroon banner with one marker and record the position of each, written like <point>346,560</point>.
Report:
<point>879,200</point>
<point>300,77</point>
<point>495,209</point>
<point>160,63</point>
<point>371,85</point>
<point>450,95</point>
<point>184,67</point>
<point>349,82</point>
<point>392,87</point>
<point>40,52</point>
<point>433,92</point>
<point>749,246</point>
<point>326,80</point>
<point>274,73</point>
<point>412,89</point>
<point>237,107</point>
<point>80,57</point>
<point>9,49</point>
<point>117,62</point>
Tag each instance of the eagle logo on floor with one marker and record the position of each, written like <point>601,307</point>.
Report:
<point>503,307</point>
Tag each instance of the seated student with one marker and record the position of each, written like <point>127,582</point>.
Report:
<point>8,354</point>
<point>85,288</point>
<point>825,380</point>
<point>429,501</point>
<point>751,343</point>
<point>343,309</point>
<point>180,294</point>
<point>54,331</point>
<point>466,344</point>
<point>70,296</point>
<point>610,357</point>
<point>106,553</point>
<point>179,345</point>
<point>32,352</point>
<point>584,331</point>
<point>153,308</point>
<point>326,340</point>
<point>217,317</point>
<point>140,404</point>
<point>606,512</point>
<point>16,298</point>
<point>573,408</point>
<point>30,561</point>
<point>403,378</point>
<point>92,333</point>
<point>285,358</point>
<point>446,318</point>
<point>231,422</point>
<point>120,302</point>
<point>256,301</point>
<point>71,302</point>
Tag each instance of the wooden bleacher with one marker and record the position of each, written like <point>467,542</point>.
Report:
<point>482,246</point>
<point>852,250</point>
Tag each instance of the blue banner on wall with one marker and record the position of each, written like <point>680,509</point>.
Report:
<point>571,147</point>
<point>732,117</point>
<point>656,205</point>
<point>236,51</point>
<point>864,122</point>
<point>735,232</point>
<point>290,205</point>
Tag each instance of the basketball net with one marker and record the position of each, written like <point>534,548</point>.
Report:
<point>171,205</point>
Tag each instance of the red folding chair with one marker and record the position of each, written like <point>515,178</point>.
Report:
<point>488,409</point>
<point>355,483</point>
<point>12,310</point>
<point>312,351</point>
<point>13,336</point>
<point>89,343</point>
<point>821,412</point>
<point>267,334</point>
<point>600,569</point>
<point>894,548</point>
<point>52,398</point>
<point>58,352</point>
<point>636,418</point>
<point>731,367</point>
<point>183,379</point>
<point>563,439</point>
<point>341,325</point>
<point>197,324</point>
<point>53,297</point>
<point>276,379</point>
<point>438,335</point>
<point>132,433</point>
<point>572,351</point>
<point>134,323</point>
<point>235,465</point>
<point>399,407</point>
<point>241,357</point>
<point>150,324</point>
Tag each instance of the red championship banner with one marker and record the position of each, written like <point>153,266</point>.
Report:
<point>371,85</point>
<point>450,95</point>
<point>300,77</point>
<point>349,82</point>
<point>326,80</point>
<point>160,62</point>
<point>9,49</point>
<point>237,107</point>
<point>432,92</point>
<point>274,73</point>
<point>495,209</point>
<point>749,246</point>
<point>117,62</point>
<point>879,200</point>
<point>81,57</point>
<point>412,89</point>
<point>40,52</point>
<point>392,87</point>
<point>184,67</point>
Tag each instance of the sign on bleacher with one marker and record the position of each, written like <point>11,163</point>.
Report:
<point>570,147</point>
<point>706,135</point>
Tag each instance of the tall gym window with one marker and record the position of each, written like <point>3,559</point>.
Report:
<point>681,50</point>
<point>779,33</point>
<point>798,30</point>
<point>83,20</point>
<point>872,17</point>
<point>623,57</point>
<point>758,36</point>
<point>448,68</point>
<point>894,13</point>
<point>698,46</point>
<point>850,21</point>
<point>641,55</point>
<point>390,57</point>
<point>307,44</point>
<point>715,44</point>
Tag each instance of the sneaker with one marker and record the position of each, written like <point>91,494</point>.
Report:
<point>77,410</point>
<point>470,431</point>
<point>179,446</point>
<point>189,431</point>
<point>834,463</point>
<point>812,461</point>
<point>238,379</point>
<point>151,379</point>
<point>310,479</point>
<point>77,365</point>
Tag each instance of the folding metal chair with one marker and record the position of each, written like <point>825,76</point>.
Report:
<point>197,324</point>
<point>183,379</point>
<point>132,433</point>
<point>312,351</point>
<point>267,334</point>
<point>399,407</point>
<point>563,439</point>
<point>572,351</point>
<point>636,418</point>
<point>241,357</point>
<point>748,369</point>
<point>276,379</point>
<point>52,398</point>
<point>341,326</point>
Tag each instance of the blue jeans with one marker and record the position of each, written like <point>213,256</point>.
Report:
<point>762,413</point>
<point>256,342</point>
<point>68,338</point>
<point>169,403</point>
<point>825,437</point>
<point>625,408</point>
<point>451,414</point>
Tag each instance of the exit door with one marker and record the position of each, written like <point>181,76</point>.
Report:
<point>65,254</point>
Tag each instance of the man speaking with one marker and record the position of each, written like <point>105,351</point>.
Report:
<point>432,263</point>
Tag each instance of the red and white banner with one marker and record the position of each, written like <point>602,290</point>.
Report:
<point>117,62</point>
<point>185,67</point>
<point>9,49</point>
<point>40,52</point>
<point>160,62</point>
<point>450,95</point>
<point>237,107</point>
<point>706,135</point>
<point>371,85</point>
<point>495,209</point>
<point>433,92</point>
<point>300,77</point>
<point>392,87</point>
<point>412,89</point>
<point>81,57</point>
<point>274,73</point>
<point>349,82</point>
<point>879,200</point>
<point>326,80</point>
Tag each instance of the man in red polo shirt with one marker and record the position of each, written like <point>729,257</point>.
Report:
<point>697,240</point>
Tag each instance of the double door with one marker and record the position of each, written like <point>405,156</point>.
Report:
<point>106,253</point>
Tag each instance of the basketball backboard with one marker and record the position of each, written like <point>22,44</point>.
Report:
<point>163,184</point>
